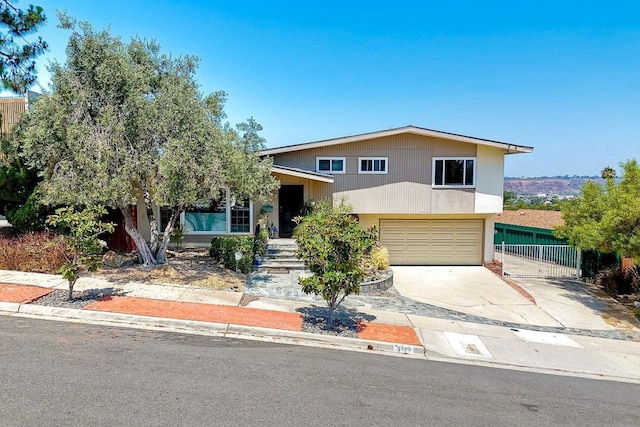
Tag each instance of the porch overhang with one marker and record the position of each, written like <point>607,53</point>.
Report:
<point>302,173</point>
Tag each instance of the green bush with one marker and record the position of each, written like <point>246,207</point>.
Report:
<point>29,217</point>
<point>82,230</point>
<point>260,243</point>
<point>223,250</point>
<point>333,245</point>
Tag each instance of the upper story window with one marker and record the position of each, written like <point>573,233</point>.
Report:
<point>373,165</point>
<point>331,164</point>
<point>454,172</point>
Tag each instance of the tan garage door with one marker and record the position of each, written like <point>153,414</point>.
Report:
<point>432,242</point>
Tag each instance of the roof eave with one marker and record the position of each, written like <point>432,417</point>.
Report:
<point>509,148</point>
<point>301,174</point>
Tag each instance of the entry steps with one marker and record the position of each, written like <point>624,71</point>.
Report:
<point>281,255</point>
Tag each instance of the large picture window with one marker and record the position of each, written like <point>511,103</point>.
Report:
<point>331,164</point>
<point>222,216</point>
<point>454,172</point>
<point>211,218</point>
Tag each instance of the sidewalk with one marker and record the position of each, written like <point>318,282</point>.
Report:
<point>382,329</point>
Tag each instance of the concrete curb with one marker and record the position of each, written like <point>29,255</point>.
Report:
<point>9,307</point>
<point>326,341</point>
<point>462,360</point>
<point>208,328</point>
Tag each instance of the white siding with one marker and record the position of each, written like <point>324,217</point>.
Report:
<point>489,180</point>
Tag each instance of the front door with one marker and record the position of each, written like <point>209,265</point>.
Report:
<point>290,199</point>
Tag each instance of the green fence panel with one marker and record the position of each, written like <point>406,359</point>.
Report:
<point>521,235</point>
<point>592,261</point>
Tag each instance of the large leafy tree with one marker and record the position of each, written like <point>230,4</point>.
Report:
<point>124,123</point>
<point>606,217</point>
<point>17,54</point>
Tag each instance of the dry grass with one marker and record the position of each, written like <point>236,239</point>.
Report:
<point>35,252</point>
<point>185,267</point>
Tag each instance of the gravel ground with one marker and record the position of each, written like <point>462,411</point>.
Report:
<point>341,327</point>
<point>58,298</point>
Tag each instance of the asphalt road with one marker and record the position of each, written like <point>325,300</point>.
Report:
<point>64,374</point>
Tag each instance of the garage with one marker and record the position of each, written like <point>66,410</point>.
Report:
<point>432,242</point>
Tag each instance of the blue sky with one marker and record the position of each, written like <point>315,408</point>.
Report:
<point>562,76</point>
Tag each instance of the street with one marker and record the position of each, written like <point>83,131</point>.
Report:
<point>56,373</point>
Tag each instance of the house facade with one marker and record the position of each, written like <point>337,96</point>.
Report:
<point>433,195</point>
<point>12,108</point>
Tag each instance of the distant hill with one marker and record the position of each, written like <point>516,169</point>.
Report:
<point>558,185</point>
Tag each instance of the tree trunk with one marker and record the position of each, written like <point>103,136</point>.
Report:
<point>331,313</point>
<point>153,221</point>
<point>71,284</point>
<point>162,251</point>
<point>144,252</point>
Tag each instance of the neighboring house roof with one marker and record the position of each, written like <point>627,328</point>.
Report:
<point>509,148</point>
<point>531,218</point>
<point>302,173</point>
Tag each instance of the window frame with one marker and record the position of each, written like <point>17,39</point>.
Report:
<point>331,160</point>
<point>464,169</point>
<point>373,159</point>
<point>228,207</point>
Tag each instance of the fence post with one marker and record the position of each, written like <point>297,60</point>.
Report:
<point>578,263</point>
<point>502,259</point>
<point>539,257</point>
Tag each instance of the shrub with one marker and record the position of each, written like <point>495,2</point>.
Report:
<point>82,230</point>
<point>42,252</point>
<point>333,245</point>
<point>260,242</point>
<point>379,258</point>
<point>616,280</point>
<point>29,217</point>
<point>223,250</point>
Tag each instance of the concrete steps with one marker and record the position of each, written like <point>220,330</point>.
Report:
<point>281,255</point>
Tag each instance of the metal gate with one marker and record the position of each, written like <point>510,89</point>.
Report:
<point>538,260</point>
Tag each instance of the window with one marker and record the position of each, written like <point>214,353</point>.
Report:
<point>373,165</point>
<point>454,172</point>
<point>331,164</point>
<point>210,218</point>
<point>165,215</point>
<point>241,217</point>
<point>222,216</point>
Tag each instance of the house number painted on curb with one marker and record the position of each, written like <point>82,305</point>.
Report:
<point>408,349</point>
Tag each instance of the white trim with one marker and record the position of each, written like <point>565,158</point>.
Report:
<point>383,172</point>
<point>300,174</point>
<point>444,159</point>
<point>331,159</point>
<point>508,148</point>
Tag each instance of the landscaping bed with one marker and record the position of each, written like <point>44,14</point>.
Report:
<point>191,266</point>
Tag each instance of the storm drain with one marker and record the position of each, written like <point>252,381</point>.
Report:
<point>468,345</point>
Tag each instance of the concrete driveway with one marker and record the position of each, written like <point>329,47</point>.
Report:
<point>478,291</point>
<point>573,305</point>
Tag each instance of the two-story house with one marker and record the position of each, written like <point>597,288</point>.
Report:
<point>434,195</point>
